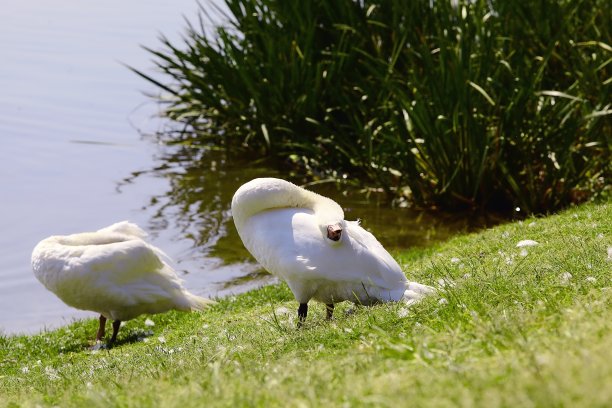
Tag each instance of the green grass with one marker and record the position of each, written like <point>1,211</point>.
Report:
<point>513,330</point>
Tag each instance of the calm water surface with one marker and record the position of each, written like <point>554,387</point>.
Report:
<point>68,112</point>
<point>72,158</point>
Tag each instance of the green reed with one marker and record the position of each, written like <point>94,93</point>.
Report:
<point>450,104</point>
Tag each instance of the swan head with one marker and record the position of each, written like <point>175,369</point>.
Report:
<point>334,232</point>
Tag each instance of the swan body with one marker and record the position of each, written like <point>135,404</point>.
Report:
<point>112,271</point>
<point>286,229</point>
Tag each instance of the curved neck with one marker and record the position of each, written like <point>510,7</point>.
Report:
<point>268,193</point>
<point>87,238</point>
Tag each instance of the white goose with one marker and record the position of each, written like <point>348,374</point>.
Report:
<point>112,271</point>
<point>302,237</point>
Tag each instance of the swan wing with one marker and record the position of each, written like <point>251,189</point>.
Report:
<point>119,279</point>
<point>125,228</point>
<point>289,244</point>
<point>359,258</point>
<point>387,269</point>
<point>133,274</point>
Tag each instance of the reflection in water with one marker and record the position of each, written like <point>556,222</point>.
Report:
<point>202,183</point>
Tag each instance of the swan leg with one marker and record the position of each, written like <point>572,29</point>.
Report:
<point>101,329</point>
<point>330,310</point>
<point>116,326</point>
<point>302,312</point>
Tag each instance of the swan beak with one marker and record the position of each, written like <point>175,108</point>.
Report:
<point>334,232</point>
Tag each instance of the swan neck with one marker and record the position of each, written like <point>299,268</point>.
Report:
<point>265,194</point>
<point>87,238</point>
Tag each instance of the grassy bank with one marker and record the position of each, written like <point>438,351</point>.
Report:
<point>511,326</point>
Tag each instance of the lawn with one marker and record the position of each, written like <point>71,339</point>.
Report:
<point>511,326</point>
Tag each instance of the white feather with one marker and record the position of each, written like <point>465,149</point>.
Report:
<point>284,227</point>
<point>112,271</point>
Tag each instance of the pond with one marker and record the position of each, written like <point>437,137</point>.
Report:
<point>73,158</point>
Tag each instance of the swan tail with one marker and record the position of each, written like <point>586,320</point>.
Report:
<point>125,228</point>
<point>198,302</point>
<point>416,291</point>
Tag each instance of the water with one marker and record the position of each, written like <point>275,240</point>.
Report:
<point>68,108</point>
<point>72,158</point>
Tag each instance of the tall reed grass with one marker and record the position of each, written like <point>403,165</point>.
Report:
<point>449,104</point>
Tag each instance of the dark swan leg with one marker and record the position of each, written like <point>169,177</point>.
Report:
<point>116,326</point>
<point>101,329</point>
<point>330,310</point>
<point>302,312</point>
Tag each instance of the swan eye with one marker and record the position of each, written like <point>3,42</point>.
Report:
<point>334,232</point>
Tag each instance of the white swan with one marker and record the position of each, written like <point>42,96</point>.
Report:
<point>112,271</point>
<point>302,237</point>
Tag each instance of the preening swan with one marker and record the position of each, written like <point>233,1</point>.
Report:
<point>112,271</point>
<point>302,237</point>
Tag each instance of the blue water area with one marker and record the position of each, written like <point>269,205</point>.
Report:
<point>70,120</point>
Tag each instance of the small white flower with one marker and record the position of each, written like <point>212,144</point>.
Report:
<point>524,252</point>
<point>526,243</point>
<point>467,275</point>
<point>446,283</point>
<point>161,339</point>
<point>408,302</point>
<point>600,235</point>
<point>282,311</point>
<point>565,278</point>
<point>443,301</point>
<point>505,234</point>
<point>403,312</point>
<point>51,373</point>
<point>590,279</point>
<point>25,369</point>
<point>541,359</point>
<point>531,224</point>
<point>149,323</point>
<point>455,260</point>
<point>89,385</point>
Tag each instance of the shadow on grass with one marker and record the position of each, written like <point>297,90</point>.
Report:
<point>88,343</point>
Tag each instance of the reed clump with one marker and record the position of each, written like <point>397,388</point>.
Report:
<point>450,104</point>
